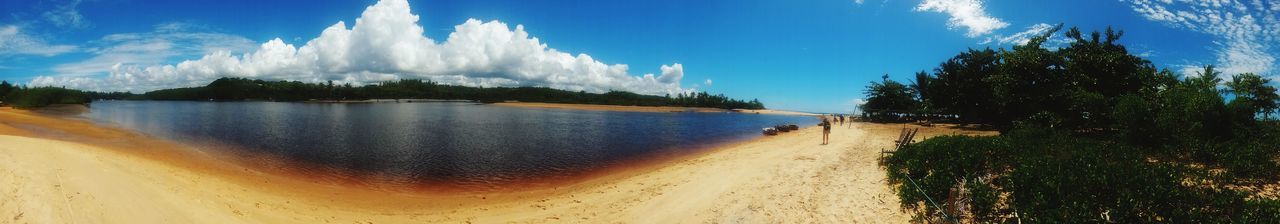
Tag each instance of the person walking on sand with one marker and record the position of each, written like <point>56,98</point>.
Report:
<point>826,130</point>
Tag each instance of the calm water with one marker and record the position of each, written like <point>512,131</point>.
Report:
<point>434,143</point>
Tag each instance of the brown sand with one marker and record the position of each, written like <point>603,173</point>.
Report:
<point>58,170</point>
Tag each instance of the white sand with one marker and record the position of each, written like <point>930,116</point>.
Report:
<point>788,178</point>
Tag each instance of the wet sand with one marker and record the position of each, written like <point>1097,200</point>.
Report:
<point>598,107</point>
<point>61,170</point>
<point>778,112</point>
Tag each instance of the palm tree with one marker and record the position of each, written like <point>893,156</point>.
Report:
<point>1254,88</point>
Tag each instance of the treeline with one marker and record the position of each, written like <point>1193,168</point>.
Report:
<point>1077,86</point>
<point>1090,133</point>
<point>26,98</point>
<point>246,89</point>
<point>236,89</point>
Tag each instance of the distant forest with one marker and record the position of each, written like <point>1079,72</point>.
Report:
<point>238,89</point>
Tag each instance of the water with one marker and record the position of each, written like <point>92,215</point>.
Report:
<point>460,144</point>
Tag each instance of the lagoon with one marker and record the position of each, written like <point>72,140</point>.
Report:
<point>464,145</point>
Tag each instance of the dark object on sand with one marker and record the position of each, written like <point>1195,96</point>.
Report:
<point>793,127</point>
<point>782,128</point>
<point>770,131</point>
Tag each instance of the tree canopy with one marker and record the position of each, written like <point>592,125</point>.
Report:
<point>1089,133</point>
<point>889,98</point>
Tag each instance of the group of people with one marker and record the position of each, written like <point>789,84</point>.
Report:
<point>826,125</point>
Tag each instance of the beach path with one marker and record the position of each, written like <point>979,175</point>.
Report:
<point>788,178</point>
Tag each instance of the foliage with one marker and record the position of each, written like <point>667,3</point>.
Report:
<point>1040,175</point>
<point>1091,133</point>
<point>5,88</point>
<point>943,164</point>
<point>245,89</point>
<point>27,98</point>
<point>1254,89</point>
<point>236,89</point>
<point>961,86</point>
<point>1077,85</point>
<point>887,99</point>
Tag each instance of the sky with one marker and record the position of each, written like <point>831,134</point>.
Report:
<point>812,55</point>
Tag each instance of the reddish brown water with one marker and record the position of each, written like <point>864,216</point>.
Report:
<point>431,145</point>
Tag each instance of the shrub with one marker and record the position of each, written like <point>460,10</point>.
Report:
<point>939,165</point>
<point>1042,175</point>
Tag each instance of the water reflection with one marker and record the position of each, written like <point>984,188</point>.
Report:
<point>476,146</point>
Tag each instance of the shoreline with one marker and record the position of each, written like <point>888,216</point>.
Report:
<point>568,106</point>
<point>652,109</point>
<point>616,108</point>
<point>775,178</point>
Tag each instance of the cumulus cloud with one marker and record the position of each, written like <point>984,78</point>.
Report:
<point>969,14</point>
<point>387,43</point>
<point>1247,31</point>
<point>708,82</point>
<point>14,42</point>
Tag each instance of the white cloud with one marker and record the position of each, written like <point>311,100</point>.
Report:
<point>1247,31</point>
<point>386,43</point>
<point>708,82</point>
<point>14,42</point>
<point>964,13</point>
<point>1019,38</point>
<point>1146,53</point>
<point>166,42</point>
<point>66,15</point>
<point>858,2</point>
<point>854,105</point>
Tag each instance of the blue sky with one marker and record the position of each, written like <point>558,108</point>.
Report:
<point>797,55</point>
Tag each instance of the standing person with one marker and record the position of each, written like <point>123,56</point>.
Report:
<point>826,130</point>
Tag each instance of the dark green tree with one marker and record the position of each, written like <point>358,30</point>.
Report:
<point>1031,81</point>
<point>5,88</point>
<point>962,86</point>
<point>1256,90</point>
<point>888,99</point>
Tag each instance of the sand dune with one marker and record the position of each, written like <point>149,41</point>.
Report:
<point>93,174</point>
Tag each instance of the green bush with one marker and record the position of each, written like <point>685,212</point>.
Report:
<point>939,164</point>
<point>1090,133</point>
<point>1041,175</point>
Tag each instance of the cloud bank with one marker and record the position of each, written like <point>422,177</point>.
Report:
<point>1247,31</point>
<point>387,43</point>
<point>964,13</point>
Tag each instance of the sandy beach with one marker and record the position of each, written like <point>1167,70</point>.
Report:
<point>60,170</point>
